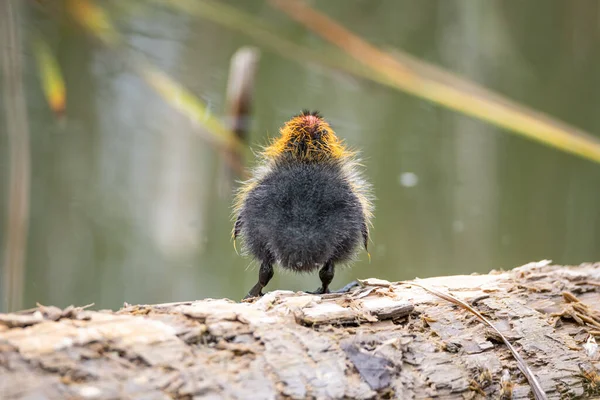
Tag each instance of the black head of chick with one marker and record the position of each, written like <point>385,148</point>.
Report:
<point>307,206</point>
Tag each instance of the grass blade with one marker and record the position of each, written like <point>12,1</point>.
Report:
<point>95,20</point>
<point>51,76</point>
<point>98,23</point>
<point>431,83</point>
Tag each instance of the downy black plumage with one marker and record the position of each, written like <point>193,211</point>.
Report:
<point>306,206</point>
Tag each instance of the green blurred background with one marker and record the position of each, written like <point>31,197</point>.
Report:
<point>125,198</point>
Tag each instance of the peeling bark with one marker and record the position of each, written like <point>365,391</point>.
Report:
<point>382,340</point>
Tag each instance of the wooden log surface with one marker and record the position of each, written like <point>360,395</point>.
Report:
<point>384,340</point>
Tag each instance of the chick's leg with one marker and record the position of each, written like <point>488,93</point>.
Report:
<point>326,274</point>
<point>264,276</point>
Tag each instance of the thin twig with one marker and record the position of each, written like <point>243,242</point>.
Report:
<point>240,91</point>
<point>15,234</point>
<point>538,392</point>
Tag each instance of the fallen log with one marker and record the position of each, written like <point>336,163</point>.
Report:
<point>383,340</point>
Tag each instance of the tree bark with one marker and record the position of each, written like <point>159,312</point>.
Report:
<point>384,340</point>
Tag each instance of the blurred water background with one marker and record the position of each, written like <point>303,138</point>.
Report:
<point>125,198</point>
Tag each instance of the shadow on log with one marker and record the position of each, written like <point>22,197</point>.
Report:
<point>384,340</point>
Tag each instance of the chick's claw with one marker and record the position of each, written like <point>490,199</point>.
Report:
<point>320,291</point>
<point>252,296</point>
<point>256,291</point>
